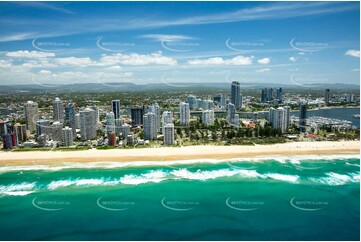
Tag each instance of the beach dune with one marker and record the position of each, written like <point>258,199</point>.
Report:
<point>180,153</point>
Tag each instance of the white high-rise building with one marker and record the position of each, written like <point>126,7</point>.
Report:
<point>155,109</point>
<point>208,104</point>
<point>184,113</point>
<point>58,110</point>
<point>192,100</point>
<point>67,135</point>
<point>88,125</point>
<point>43,127</point>
<point>167,118</point>
<point>77,121</point>
<point>56,131</point>
<point>279,118</point>
<point>231,112</point>
<point>168,134</point>
<point>208,117</point>
<point>149,125</point>
<point>31,115</point>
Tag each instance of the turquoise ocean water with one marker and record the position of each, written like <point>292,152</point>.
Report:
<point>276,198</point>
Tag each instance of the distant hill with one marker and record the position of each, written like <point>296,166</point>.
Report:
<point>108,87</point>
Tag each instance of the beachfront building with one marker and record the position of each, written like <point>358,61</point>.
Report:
<point>58,110</point>
<point>149,124</point>
<point>56,131</point>
<point>67,136</point>
<point>111,138</point>
<point>88,124</point>
<point>31,115</point>
<point>167,118</point>
<point>156,110</point>
<point>223,101</point>
<point>110,122</point>
<point>231,111</point>
<point>208,117</point>
<point>184,113</point>
<point>279,118</point>
<point>125,130</point>
<point>168,134</point>
<point>20,131</point>
<point>70,117</point>
<point>302,117</point>
<point>235,94</point>
<point>236,121</point>
<point>42,127</point>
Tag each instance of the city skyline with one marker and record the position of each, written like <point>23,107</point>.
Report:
<point>248,42</point>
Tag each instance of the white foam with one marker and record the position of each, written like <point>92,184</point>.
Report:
<point>336,179</point>
<point>21,189</point>
<point>153,176</point>
<point>203,175</point>
<point>282,177</point>
<point>18,193</point>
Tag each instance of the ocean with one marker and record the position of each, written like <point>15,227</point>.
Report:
<point>267,198</point>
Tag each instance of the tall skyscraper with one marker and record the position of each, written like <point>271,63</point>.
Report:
<point>269,94</point>
<point>111,138</point>
<point>110,122</point>
<point>149,124</point>
<point>279,94</point>
<point>167,118</point>
<point>236,121</point>
<point>137,116</point>
<point>192,100</point>
<point>31,115</point>
<point>302,117</point>
<point>70,117</point>
<point>184,114</point>
<point>67,136</point>
<point>231,112</point>
<point>235,94</point>
<point>168,138</point>
<point>77,120</point>
<point>264,95</point>
<point>43,127</point>
<point>208,117</point>
<point>116,108</point>
<point>58,110</point>
<point>88,126</point>
<point>56,131</point>
<point>327,96</point>
<point>155,109</point>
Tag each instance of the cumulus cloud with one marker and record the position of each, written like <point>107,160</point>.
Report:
<point>236,61</point>
<point>74,61</point>
<point>293,59</point>
<point>264,61</point>
<point>29,54</point>
<point>353,53</point>
<point>137,59</point>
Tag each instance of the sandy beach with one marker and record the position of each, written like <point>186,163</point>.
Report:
<point>180,153</point>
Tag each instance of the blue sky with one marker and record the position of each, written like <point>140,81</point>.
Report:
<point>172,42</point>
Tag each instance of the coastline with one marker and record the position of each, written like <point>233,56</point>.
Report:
<point>180,153</point>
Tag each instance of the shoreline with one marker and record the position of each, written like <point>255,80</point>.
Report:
<point>180,153</point>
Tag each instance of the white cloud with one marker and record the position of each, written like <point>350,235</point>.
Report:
<point>293,59</point>
<point>264,61</point>
<point>29,54</point>
<point>5,63</point>
<point>74,61</point>
<point>114,68</point>
<point>165,37</point>
<point>236,61</point>
<point>354,53</point>
<point>137,59</point>
<point>263,70</point>
<point>355,70</point>
<point>44,72</point>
